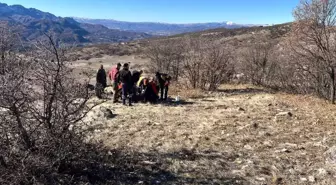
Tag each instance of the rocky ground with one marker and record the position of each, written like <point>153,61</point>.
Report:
<point>239,135</point>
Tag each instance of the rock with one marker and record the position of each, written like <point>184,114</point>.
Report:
<point>260,179</point>
<point>285,151</point>
<point>248,147</point>
<point>331,156</point>
<point>108,90</point>
<point>311,179</point>
<point>322,172</point>
<point>90,87</point>
<point>303,179</point>
<point>268,144</point>
<point>71,127</point>
<point>107,113</point>
<point>283,116</point>
<point>241,109</point>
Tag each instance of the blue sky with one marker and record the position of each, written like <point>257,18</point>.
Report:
<point>170,11</point>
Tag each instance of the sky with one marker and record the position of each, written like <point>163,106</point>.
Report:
<point>170,11</point>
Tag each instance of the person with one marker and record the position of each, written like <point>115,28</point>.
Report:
<point>113,76</point>
<point>135,78</point>
<point>125,77</point>
<point>101,76</point>
<point>150,90</point>
<point>163,83</point>
<point>100,82</point>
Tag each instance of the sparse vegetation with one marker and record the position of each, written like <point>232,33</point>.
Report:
<point>52,131</point>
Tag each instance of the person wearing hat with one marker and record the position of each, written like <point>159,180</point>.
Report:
<point>125,77</point>
<point>113,76</point>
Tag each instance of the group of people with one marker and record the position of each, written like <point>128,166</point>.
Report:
<point>133,86</point>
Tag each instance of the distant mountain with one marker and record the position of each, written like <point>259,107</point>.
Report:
<point>159,28</point>
<point>34,23</point>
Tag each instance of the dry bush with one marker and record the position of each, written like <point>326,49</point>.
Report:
<point>166,57</point>
<point>41,112</point>
<point>199,65</point>
<point>257,65</point>
<point>313,41</point>
<point>218,67</point>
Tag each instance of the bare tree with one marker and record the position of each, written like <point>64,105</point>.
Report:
<point>257,65</point>
<point>41,111</point>
<point>193,62</point>
<point>217,67</point>
<point>166,56</point>
<point>313,39</point>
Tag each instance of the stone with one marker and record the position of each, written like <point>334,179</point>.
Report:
<point>107,113</point>
<point>241,109</point>
<point>322,172</point>
<point>108,90</point>
<point>331,156</point>
<point>90,87</point>
<point>285,114</point>
<point>260,179</point>
<point>282,116</point>
<point>311,179</point>
<point>248,147</point>
<point>303,179</point>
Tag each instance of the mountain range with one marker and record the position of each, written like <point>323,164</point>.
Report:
<point>160,28</point>
<point>33,23</point>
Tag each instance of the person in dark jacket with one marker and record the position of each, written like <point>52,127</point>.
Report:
<point>125,77</point>
<point>100,82</point>
<point>163,83</point>
<point>101,76</point>
<point>135,78</point>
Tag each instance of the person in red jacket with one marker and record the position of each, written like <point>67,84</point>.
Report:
<point>113,76</point>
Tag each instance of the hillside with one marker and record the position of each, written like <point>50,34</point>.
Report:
<point>163,29</point>
<point>34,23</point>
<point>237,38</point>
<point>241,135</point>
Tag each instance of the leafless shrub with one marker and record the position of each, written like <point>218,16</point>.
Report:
<point>193,63</point>
<point>41,112</point>
<point>217,67</point>
<point>198,64</point>
<point>256,63</point>
<point>313,39</point>
<point>166,56</point>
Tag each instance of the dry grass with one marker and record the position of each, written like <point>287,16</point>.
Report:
<point>229,137</point>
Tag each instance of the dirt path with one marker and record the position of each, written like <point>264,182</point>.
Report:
<point>236,136</point>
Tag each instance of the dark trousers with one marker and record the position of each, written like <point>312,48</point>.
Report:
<point>164,92</point>
<point>127,93</point>
<point>149,95</point>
